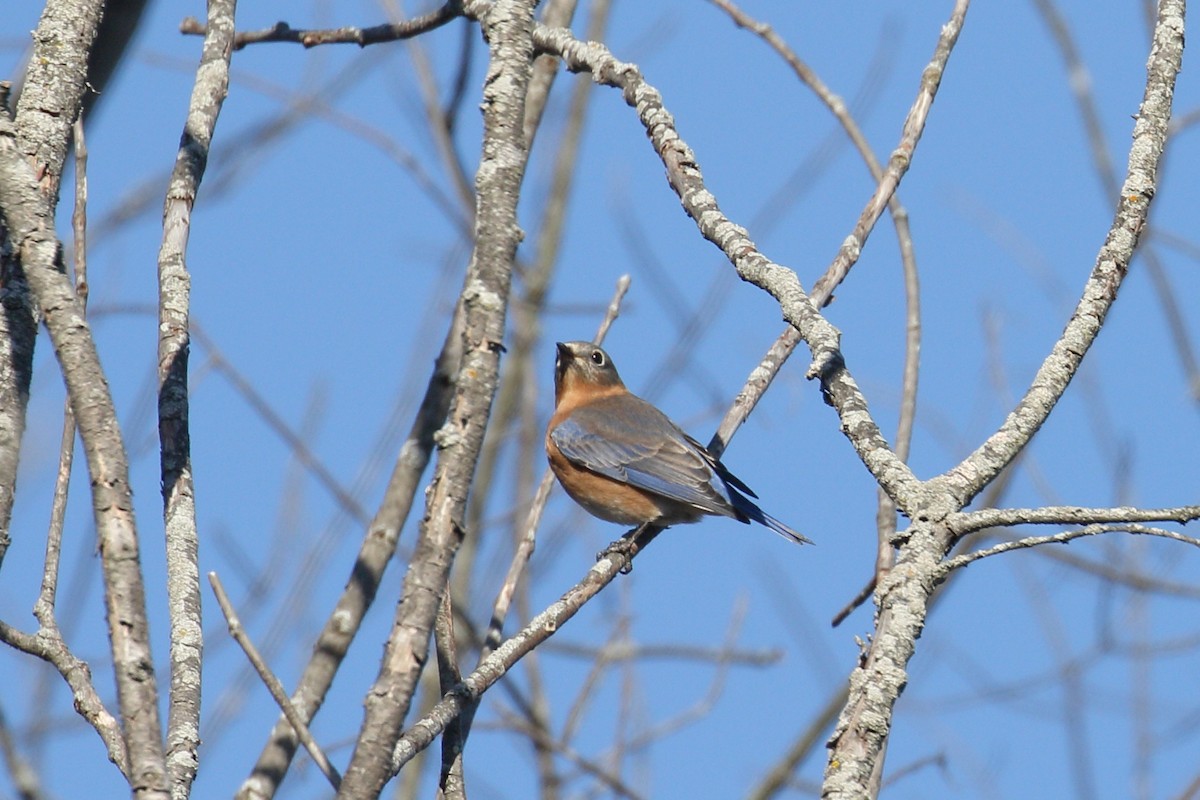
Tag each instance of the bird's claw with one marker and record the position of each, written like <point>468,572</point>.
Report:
<point>625,546</point>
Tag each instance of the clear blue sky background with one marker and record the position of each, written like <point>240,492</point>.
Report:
<point>324,274</point>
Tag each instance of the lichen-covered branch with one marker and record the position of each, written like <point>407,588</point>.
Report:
<point>50,103</point>
<point>30,224</point>
<point>507,29</point>
<point>859,741</point>
<point>1112,265</point>
<point>174,343</point>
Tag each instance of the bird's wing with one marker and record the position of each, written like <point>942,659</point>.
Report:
<point>721,469</point>
<point>627,439</point>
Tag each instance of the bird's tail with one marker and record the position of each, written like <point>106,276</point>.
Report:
<point>756,514</point>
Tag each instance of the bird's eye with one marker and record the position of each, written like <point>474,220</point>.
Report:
<point>598,358</point>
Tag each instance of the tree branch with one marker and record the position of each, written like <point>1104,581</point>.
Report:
<point>498,181</point>
<point>492,668</point>
<point>1112,265</point>
<point>685,178</point>
<point>859,741</point>
<point>375,553</point>
<point>174,342</point>
<point>278,694</point>
<point>48,645</point>
<point>966,559</point>
<point>972,521</point>
<point>29,217</point>
<point>363,37</point>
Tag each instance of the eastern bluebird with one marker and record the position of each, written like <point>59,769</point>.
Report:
<point>624,461</point>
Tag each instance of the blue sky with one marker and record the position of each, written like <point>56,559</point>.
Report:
<point>323,273</point>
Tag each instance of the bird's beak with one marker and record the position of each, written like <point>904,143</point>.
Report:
<point>564,357</point>
<point>562,363</point>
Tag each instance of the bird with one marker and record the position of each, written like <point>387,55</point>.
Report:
<point>625,461</point>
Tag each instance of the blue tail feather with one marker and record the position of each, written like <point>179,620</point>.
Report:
<point>749,512</point>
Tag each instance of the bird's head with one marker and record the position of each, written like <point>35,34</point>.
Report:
<point>583,365</point>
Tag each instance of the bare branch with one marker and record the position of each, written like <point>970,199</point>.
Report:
<point>363,37</point>
<point>440,125</point>
<point>966,559</point>
<point>55,83</point>
<point>375,553</point>
<point>274,686</point>
<point>29,218</point>
<point>1080,83</point>
<point>491,669</point>
<point>43,608</point>
<point>451,782</point>
<point>178,490</point>
<point>971,521</point>
<point>1112,265</point>
<point>556,14</point>
<point>49,646</point>
<point>822,293</point>
<point>900,160</point>
<point>685,178</point>
<point>859,742</point>
<point>485,301</point>
<point>41,134</point>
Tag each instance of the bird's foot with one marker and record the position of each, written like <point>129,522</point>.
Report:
<point>624,548</point>
<point>631,544</point>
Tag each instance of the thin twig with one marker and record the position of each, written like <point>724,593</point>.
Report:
<point>1080,84</point>
<point>1056,372</point>
<point>780,350</point>
<point>21,773</point>
<point>451,783</point>
<point>363,37</point>
<point>43,609</point>
<point>439,126</point>
<point>272,683</point>
<point>887,181</point>
<point>951,564</point>
<point>48,645</point>
<point>379,545</point>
